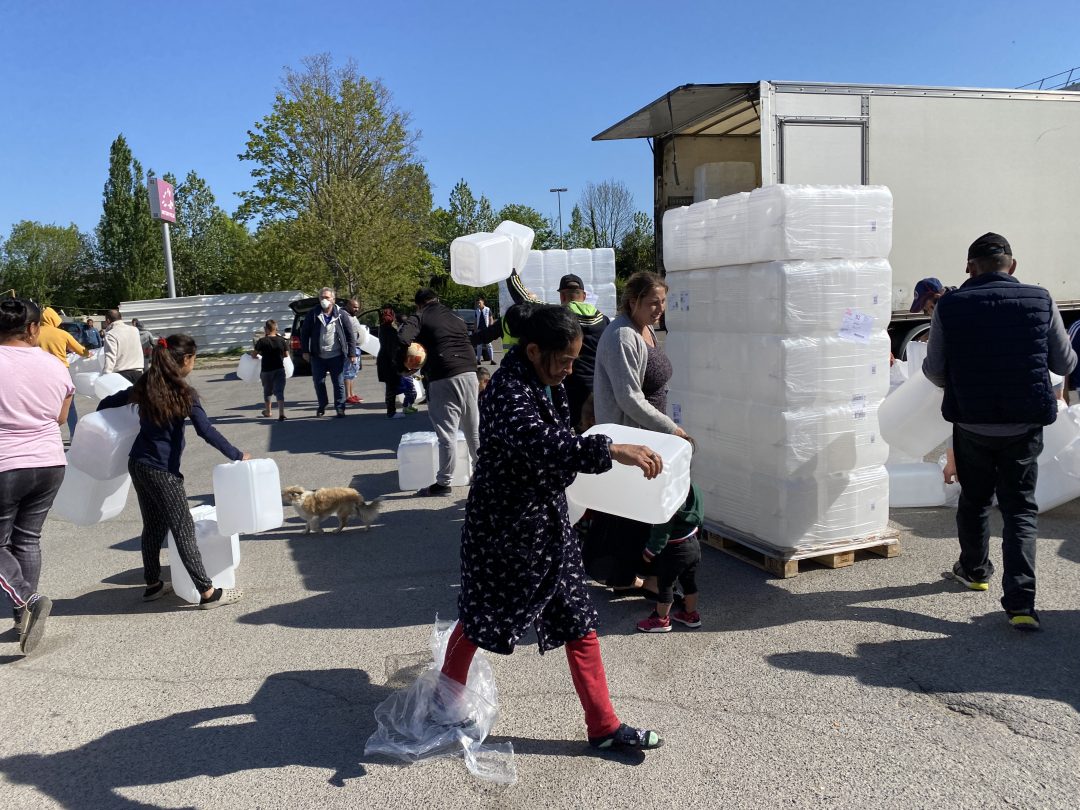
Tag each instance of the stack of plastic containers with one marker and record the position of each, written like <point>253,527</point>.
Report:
<point>96,480</point>
<point>220,555</point>
<point>544,269</point>
<point>777,312</point>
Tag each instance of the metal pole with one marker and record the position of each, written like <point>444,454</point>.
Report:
<point>558,196</point>
<point>168,258</point>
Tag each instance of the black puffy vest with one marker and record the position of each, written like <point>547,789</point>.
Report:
<point>996,333</point>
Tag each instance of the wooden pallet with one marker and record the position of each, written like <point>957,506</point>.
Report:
<point>784,565</point>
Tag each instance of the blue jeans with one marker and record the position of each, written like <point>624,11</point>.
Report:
<point>1007,466</point>
<point>26,496</point>
<point>335,367</point>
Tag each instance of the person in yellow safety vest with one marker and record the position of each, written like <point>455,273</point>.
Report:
<point>592,321</point>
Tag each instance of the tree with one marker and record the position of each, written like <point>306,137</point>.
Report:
<point>637,250</point>
<point>206,242</point>
<point>338,159</point>
<point>546,235</point>
<point>129,247</point>
<point>608,211</point>
<point>578,235</point>
<point>44,262</point>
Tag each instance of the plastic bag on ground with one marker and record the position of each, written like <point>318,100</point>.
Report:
<point>433,716</point>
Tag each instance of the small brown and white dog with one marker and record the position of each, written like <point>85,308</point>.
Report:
<point>314,505</point>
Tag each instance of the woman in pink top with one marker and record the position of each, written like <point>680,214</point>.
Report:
<point>34,401</point>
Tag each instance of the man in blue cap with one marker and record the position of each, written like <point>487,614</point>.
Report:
<point>927,293</point>
<point>993,343</point>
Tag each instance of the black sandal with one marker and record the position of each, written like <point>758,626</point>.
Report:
<point>627,737</point>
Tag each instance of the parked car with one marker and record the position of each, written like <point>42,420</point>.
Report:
<point>80,331</point>
<point>301,307</point>
<point>469,316</point>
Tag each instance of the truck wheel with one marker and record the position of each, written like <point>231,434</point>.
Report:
<point>914,334</point>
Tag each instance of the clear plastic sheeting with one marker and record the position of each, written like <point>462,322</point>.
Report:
<point>795,513</point>
<point>544,269</point>
<point>779,370</point>
<point>751,437</point>
<point>432,716</point>
<point>781,298</point>
<point>780,222</point>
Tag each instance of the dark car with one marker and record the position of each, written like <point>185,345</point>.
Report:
<point>469,316</point>
<point>301,307</point>
<point>81,332</point>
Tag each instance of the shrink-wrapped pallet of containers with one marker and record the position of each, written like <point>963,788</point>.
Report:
<point>544,269</point>
<point>778,306</point>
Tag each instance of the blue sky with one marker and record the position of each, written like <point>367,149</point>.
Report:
<point>506,95</point>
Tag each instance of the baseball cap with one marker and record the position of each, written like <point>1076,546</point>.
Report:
<point>923,290</point>
<point>989,244</point>
<point>571,282</point>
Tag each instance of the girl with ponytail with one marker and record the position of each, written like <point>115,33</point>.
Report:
<point>166,402</point>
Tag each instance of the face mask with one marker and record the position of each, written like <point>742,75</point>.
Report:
<point>326,303</point>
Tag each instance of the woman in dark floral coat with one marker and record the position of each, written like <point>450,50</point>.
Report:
<point>520,558</point>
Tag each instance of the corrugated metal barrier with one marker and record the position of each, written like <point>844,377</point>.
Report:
<point>216,322</point>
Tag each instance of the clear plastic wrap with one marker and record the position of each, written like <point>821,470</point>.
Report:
<point>798,514</point>
<point>1057,483</point>
<point>782,371</point>
<point>806,298</point>
<point>782,443</point>
<point>433,716</point>
<point>544,269</point>
<point>780,222</point>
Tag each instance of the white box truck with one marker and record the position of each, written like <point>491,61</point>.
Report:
<point>959,161</point>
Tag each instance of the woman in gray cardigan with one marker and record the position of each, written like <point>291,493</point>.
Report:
<point>630,388</point>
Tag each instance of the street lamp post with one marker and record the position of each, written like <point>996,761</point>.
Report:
<point>558,196</point>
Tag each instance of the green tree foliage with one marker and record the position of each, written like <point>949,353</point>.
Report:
<point>637,249</point>
<point>45,263</point>
<point>546,233</point>
<point>578,235</point>
<point>130,256</point>
<point>337,159</point>
<point>207,243</point>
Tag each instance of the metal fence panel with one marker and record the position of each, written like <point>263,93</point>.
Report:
<point>216,322</point>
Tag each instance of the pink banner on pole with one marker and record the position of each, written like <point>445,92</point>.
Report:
<point>162,203</point>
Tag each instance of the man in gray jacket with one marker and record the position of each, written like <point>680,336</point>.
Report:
<point>327,338</point>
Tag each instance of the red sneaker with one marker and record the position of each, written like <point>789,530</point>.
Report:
<point>692,619</point>
<point>353,400</point>
<point>655,624</point>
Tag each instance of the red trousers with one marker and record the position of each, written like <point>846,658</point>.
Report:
<point>586,670</point>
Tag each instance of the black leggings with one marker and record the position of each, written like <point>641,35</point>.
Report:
<point>164,508</point>
<point>677,562</point>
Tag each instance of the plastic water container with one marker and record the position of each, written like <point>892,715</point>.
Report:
<point>85,365</point>
<point>84,383</point>
<point>220,556</point>
<point>248,368</point>
<point>418,461</point>
<point>910,417</point>
<point>574,509</point>
<point>624,490</point>
<point>370,345</point>
<point>108,384</point>
<point>85,500</point>
<point>522,237</point>
<point>247,495</point>
<point>917,484</point>
<point>1056,485</point>
<point>103,440</point>
<point>480,259</point>
<point>288,365</point>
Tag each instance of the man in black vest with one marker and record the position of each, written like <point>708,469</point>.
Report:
<point>993,342</point>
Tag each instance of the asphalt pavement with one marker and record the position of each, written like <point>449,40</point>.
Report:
<point>881,685</point>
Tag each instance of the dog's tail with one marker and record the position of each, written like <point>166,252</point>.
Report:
<point>369,511</point>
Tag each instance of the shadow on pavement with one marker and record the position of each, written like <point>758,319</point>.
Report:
<point>315,719</point>
<point>985,655</point>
